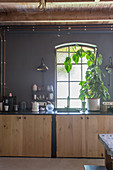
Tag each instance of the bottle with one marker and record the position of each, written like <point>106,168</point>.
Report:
<point>1,106</point>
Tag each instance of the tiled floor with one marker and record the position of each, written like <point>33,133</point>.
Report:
<point>9,163</point>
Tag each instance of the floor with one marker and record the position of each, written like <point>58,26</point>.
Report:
<point>11,163</point>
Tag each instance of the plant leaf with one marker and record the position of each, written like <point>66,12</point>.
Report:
<point>99,59</point>
<point>89,62</point>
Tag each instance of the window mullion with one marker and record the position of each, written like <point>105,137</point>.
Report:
<point>69,77</point>
<point>81,68</point>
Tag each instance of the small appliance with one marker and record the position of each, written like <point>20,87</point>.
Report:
<point>35,106</point>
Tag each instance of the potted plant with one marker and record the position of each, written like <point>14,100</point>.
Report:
<point>93,87</point>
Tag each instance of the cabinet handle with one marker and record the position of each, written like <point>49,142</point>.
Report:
<point>81,117</point>
<point>4,126</point>
<point>102,154</point>
<point>24,117</point>
<point>87,117</point>
<point>19,117</point>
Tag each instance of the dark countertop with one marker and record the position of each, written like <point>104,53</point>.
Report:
<point>54,113</point>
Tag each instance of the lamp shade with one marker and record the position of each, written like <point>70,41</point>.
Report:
<point>42,66</point>
<point>110,65</point>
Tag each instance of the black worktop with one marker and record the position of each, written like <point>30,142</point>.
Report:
<point>55,113</point>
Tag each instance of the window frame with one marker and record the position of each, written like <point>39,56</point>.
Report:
<point>94,48</point>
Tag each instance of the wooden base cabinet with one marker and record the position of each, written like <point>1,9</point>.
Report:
<point>11,135</point>
<point>96,124</point>
<point>25,135</point>
<point>70,135</point>
<point>77,135</point>
<point>37,136</point>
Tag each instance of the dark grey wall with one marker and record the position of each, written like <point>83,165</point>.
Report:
<point>24,51</point>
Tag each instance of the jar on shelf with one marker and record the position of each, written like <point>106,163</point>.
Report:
<point>48,88</point>
<point>51,88</point>
<point>35,96</point>
<point>50,96</point>
<point>34,87</point>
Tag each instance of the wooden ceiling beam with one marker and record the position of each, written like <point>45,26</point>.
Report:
<point>56,23</point>
<point>106,0</point>
<point>59,14</point>
<point>34,1</point>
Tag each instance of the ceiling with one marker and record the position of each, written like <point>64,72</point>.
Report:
<point>54,12</point>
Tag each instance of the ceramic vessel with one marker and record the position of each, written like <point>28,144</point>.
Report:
<point>50,107</point>
<point>93,104</point>
<point>35,107</point>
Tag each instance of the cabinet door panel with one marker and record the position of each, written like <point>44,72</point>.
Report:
<point>47,137</point>
<point>70,131</point>
<point>96,124</point>
<point>37,136</point>
<point>10,135</point>
<point>28,135</point>
<point>43,126</point>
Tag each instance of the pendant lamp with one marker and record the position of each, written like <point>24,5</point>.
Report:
<point>42,67</point>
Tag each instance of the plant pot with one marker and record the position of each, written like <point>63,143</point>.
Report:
<point>93,104</point>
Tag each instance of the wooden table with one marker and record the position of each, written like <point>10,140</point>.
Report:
<point>107,141</point>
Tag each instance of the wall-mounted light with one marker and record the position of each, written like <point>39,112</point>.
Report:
<point>109,69</point>
<point>110,65</point>
<point>42,66</point>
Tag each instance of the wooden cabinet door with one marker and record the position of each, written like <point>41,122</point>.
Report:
<point>70,134</point>
<point>96,124</point>
<point>10,135</point>
<point>37,135</point>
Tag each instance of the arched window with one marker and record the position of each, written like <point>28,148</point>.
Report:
<point>67,84</point>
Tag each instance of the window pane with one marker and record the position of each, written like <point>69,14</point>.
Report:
<point>74,89</point>
<point>75,74</point>
<point>72,49</point>
<point>77,48</point>
<point>62,90</point>
<point>61,73</point>
<point>61,57</point>
<point>75,103</point>
<point>61,103</point>
<point>87,48</point>
<point>65,49</point>
<point>84,68</point>
<point>84,60</point>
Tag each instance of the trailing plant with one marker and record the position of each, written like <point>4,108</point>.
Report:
<point>93,86</point>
